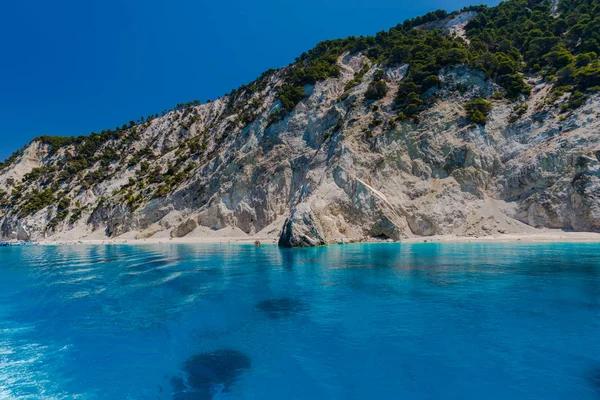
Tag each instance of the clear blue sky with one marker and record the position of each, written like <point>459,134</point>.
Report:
<point>74,67</point>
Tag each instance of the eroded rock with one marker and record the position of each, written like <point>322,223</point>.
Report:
<point>301,229</point>
<point>184,229</point>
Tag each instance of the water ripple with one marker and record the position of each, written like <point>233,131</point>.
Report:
<point>345,322</point>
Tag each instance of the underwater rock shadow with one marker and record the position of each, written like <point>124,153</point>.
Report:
<point>594,380</point>
<point>281,307</point>
<point>210,373</point>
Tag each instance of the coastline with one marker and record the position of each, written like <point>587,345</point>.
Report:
<point>550,236</point>
<point>160,241</point>
<point>537,237</point>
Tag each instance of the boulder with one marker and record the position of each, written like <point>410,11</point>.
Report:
<point>301,229</point>
<point>184,229</point>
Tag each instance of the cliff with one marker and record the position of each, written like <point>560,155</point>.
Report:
<point>343,162</point>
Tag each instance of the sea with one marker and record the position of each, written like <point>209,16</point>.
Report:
<point>355,321</point>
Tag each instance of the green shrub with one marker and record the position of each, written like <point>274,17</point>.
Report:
<point>358,76</point>
<point>517,112</point>
<point>576,100</point>
<point>75,216</point>
<point>477,110</point>
<point>36,201</point>
<point>376,90</point>
<point>4,201</point>
<point>588,76</point>
<point>584,59</point>
<point>63,204</point>
<point>290,96</point>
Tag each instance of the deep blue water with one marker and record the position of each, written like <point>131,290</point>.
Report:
<point>387,321</point>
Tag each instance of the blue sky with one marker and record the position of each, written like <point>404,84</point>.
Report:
<point>75,67</point>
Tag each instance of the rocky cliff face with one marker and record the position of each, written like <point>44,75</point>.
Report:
<point>336,168</point>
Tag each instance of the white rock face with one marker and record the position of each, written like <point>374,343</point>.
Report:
<point>32,157</point>
<point>337,168</point>
<point>302,229</point>
<point>453,25</point>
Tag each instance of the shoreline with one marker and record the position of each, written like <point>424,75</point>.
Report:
<point>537,237</point>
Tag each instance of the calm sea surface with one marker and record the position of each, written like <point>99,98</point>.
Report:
<point>365,321</point>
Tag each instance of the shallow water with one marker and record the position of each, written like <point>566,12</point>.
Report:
<point>387,321</point>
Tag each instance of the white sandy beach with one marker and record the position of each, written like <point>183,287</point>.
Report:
<point>233,237</point>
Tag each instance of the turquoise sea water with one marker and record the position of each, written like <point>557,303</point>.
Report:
<point>378,321</point>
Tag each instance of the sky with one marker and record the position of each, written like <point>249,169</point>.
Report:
<point>75,67</point>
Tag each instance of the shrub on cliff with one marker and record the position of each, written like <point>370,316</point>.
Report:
<point>376,90</point>
<point>588,76</point>
<point>477,110</point>
<point>36,201</point>
<point>290,96</point>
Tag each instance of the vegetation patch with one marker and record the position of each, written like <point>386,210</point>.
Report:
<point>517,112</point>
<point>36,201</point>
<point>358,77</point>
<point>478,110</point>
<point>377,88</point>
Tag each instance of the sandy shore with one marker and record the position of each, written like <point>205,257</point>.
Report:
<point>539,237</point>
<point>193,240</point>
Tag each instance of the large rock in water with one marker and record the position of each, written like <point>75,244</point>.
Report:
<point>301,229</point>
